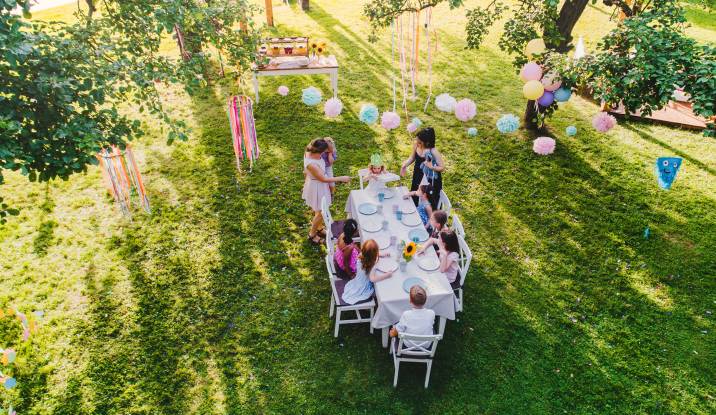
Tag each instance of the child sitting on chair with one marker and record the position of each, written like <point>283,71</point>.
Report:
<point>376,175</point>
<point>347,251</point>
<point>425,210</point>
<point>438,223</point>
<point>417,321</point>
<point>449,254</point>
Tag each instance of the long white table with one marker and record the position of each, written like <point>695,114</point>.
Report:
<point>391,297</point>
<point>314,68</point>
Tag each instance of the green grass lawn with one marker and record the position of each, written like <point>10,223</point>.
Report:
<point>217,304</point>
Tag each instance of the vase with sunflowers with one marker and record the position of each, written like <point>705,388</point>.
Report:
<point>317,49</point>
<point>409,251</point>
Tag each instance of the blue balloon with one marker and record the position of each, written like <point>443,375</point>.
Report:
<point>368,114</point>
<point>311,96</point>
<point>666,169</point>
<point>472,132</point>
<point>571,131</point>
<point>562,94</point>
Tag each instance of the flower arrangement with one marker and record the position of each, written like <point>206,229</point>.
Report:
<point>318,49</point>
<point>410,249</point>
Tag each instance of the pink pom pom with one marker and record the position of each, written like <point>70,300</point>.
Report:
<point>333,108</point>
<point>412,128</point>
<point>603,122</point>
<point>544,145</point>
<point>465,109</point>
<point>390,120</point>
<point>283,90</point>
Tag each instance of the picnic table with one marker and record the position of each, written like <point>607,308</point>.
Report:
<point>391,297</point>
<point>327,66</point>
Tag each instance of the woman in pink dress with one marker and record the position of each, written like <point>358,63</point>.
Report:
<point>316,186</point>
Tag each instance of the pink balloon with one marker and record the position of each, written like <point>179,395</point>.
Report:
<point>550,82</point>
<point>531,72</point>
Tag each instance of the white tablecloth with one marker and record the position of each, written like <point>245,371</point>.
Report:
<point>392,299</point>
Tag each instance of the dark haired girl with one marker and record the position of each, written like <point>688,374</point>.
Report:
<point>347,251</point>
<point>429,165</point>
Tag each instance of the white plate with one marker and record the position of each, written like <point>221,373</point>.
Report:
<point>371,224</point>
<point>367,208</point>
<point>407,208</point>
<point>387,265</point>
<point>389,193</point>
<point>428,263</point>
<point>412,220</point>
<point>383,241</point>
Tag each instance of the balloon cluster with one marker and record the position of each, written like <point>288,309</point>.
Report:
<point>545,88</point>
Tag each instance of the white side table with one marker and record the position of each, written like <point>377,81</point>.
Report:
<point>332,71</point>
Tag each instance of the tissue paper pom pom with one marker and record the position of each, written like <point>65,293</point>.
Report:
<point>333,107</point>
<point>472,132</point>
<point>531,72</point>
<point>508,123</point>
<point>445,102</point>
<point>390,120</point>
<point>368,114</point>
<point>465,109</point>
<point>571,131</point>
<point>544,145</point>
<point>603,122</point>
<point>416,121</point>
<point>562,94</point>
<point>283,90</point>
<point>311,96</point>
<point>412,127</point>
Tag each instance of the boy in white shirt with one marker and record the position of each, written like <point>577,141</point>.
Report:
<point>419,320</point>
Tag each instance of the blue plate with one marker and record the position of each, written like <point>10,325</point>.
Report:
<point>367,208</point>
<point>408,283</point>
<point>418,235</point>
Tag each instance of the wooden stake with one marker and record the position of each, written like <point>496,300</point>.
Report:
<point>269,13</point>
<point>304,5</point>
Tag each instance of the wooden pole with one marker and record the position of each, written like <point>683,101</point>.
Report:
<point>269,13</point>
<point>304,5</point>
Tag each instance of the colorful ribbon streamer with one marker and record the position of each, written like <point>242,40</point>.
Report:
<point>122,178</point>
<point>243,130</point>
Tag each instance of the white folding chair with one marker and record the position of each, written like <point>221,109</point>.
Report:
<point>464,266</point>
<point>444,203</point>
<point>414,348</point>
<point>328,220</point>
<point>339,306</point>
<point>362,173</point>
<point>457,226</point>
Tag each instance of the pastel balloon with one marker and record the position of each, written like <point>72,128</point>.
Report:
<point>533,90</point>
<point>535,47</point>
<point>551,82</point>
<point>10,383</point>
<point>531,72</point>
<point>562,94</point>
<point>546,99</point>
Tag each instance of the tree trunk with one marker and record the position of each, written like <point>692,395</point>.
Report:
<point>569,14</point>
<point>530,115</point>
<point>304,5</point>
<point>269,13</point>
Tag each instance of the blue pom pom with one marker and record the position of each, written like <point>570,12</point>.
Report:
<point>472,132</point>
<point>562,94</point>
<point>571,131</point>
<point>508,123</point>
<point>368,114</point>
<point>416,122</point>
<point>311,96</point>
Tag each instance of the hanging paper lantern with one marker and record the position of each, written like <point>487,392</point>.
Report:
<point>666,169</point>
<point>390,120</point>
<point>562,94</point>
<point>368,114</point>
<point>416,121</point>
<point>535,47</point>
<point>533,90</point>
<point>311,96</point>
<point>465,109</point>
<point>283,90</point>
<point>472,132</point>
<point>571,131</point>
<point>412,127</point>
<point>603,122</point>
<point>508,123</point>
<point>333,108</point>
<point>543,145</point>
<point>551,82</point>
<point>531,72</point>
<point>546,99</point>
<point>445,102</point>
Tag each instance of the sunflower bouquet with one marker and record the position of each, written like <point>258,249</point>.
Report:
<point>409,251</point>
<point>318,49</point>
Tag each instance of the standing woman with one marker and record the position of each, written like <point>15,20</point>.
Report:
<point>429,165</point>
<point>317,184</point>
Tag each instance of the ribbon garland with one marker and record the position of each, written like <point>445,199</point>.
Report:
<point>243,130</point>
<point>122,178</point>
